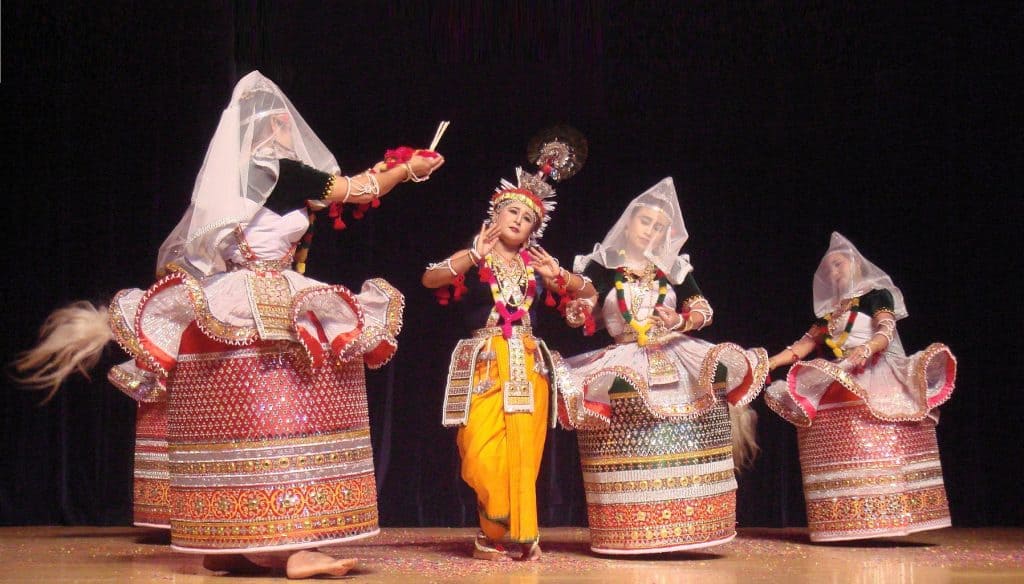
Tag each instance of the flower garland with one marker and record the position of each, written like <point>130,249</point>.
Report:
<point>836,344</point>
<point>641,328</point>
<point>508,318</point>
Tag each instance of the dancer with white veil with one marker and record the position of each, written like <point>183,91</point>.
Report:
<point>866,413</point>
<point>261,368</point>
<point>660,415</point>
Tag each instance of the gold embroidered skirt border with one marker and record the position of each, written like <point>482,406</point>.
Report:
<point>151,474</point>
<point>655,485</point>
<point>864,477</point>
<point>265,452</point>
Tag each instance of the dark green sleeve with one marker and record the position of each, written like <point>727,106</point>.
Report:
<point>688,289</point>
<point>602,277</point>
<point>877,301</point>
<point>296,183</point>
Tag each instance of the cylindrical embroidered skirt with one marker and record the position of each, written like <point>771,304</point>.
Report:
<point>864,477</point>
<point>266,453</point>
<point>658,485</point>
<point>151,481</point>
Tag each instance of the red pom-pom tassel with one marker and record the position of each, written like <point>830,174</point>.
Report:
<point>459,287</point>
<point>589,326</point>
<point>442,295</point>
<point>563,304</point>
<point>549,300</point>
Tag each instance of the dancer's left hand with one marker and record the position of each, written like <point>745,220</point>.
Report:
<point>668,318</point>
<point>543,263</point>
<point>857,358</point>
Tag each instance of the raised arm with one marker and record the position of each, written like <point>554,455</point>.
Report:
<point>444,272</point>
<point>369,185</point>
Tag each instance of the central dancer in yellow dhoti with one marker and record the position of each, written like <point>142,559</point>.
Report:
<point>500,380</point>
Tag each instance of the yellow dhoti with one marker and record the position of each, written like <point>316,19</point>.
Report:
<point>501,452</point>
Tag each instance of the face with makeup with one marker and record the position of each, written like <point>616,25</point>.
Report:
<point>516,222</point>
<point>646,230</point>
<point>840,269</point>
<point>273,132</point>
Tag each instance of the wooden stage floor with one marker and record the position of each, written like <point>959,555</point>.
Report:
<point>105,554</point>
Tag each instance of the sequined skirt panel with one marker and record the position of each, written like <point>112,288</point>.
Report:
<point>267,453</point>
<point>656,485</point>
<point>151,478</point>
<point>864,477</point>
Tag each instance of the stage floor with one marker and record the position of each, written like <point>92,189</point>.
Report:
<point>105,554</point>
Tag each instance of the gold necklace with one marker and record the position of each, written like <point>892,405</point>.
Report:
<point>645,276</point>
<point>510,275</point>
<point>837,316</point>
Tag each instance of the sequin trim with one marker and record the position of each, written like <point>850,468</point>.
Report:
<point>374,338</point>
<point>124,335</point>
<point>210,325</point>
<point>137,386</point>
<point>918,384</point>
<point>455,410</point>
<point>347,351</point>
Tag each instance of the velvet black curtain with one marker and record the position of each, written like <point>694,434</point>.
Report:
<point>897,125</point>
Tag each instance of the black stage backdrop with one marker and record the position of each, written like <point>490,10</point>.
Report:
<point>898,126</point>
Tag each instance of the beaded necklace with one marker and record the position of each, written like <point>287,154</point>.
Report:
<point>641,327</point>
<point>508,318</point>
<point>836,344</point>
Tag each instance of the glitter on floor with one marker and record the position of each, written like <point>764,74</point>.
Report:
<point>415,555</point>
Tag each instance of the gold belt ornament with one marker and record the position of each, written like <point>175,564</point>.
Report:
<point>270,298</point>
<point>487,332</point>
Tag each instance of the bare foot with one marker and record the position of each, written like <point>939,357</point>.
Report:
<point>532,553</point>
<point>232,563</point>
<point>485,549</point>
<point>308,563</point>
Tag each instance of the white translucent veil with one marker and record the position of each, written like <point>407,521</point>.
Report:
<point>610,253</point>
<point>258,128</point>
<point>864,278</point>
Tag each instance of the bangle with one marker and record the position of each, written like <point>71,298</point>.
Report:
<point>348,189</point>
<point>412,175</point>
<point>796,357</point>
<point>681,325</point>
<point>474,255</point>
<point>567,278</point>
<point>446,263</point>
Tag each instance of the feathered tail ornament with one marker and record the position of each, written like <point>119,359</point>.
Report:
<point>744,436</point>
<point>72,339</point>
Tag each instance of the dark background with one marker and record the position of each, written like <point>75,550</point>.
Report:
<point>899,126</point>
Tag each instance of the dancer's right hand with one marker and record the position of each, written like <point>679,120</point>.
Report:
<point>487,238</point>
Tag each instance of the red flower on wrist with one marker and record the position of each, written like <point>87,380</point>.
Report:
<point>396,156</point>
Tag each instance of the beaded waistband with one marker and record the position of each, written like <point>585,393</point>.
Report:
<point>654,337</point>
<point>487,332</point>
<point>279,265</point>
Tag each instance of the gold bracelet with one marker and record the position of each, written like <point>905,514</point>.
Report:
<point>329,187</point>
